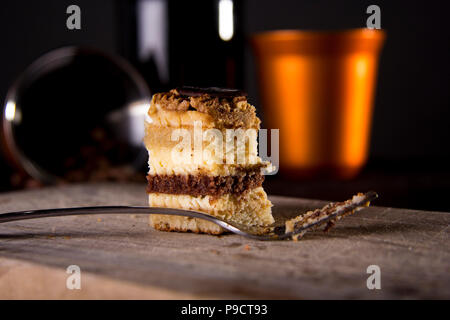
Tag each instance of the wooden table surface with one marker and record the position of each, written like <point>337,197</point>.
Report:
<point>120,256</point>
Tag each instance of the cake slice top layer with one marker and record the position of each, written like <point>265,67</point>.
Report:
<point>227,108</point>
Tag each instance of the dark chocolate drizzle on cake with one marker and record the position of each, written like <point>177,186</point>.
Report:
<point>188,91</point>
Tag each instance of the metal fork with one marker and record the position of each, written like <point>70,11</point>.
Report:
<point>253,232</point>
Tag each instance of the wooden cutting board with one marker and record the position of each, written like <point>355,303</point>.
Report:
<point>120,256</point>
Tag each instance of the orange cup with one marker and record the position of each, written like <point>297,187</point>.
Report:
<point>318,89</point>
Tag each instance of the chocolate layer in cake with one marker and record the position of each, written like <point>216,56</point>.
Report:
<point>202,185</point>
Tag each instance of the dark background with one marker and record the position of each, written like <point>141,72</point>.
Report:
<point>409,153</point>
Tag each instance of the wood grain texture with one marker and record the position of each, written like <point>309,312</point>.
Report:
<point>122,257</point>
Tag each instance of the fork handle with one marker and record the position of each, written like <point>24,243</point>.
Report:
<point>60,212</point>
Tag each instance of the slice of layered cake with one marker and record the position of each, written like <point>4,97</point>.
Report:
<point>202,146</point>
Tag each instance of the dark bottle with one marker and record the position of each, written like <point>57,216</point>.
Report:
<point>174,43</point>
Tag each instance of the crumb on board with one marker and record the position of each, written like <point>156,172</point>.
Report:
<point>99,220</point>
<point>247,247</point>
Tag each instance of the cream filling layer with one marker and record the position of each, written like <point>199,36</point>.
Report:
<point>191,151</point>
